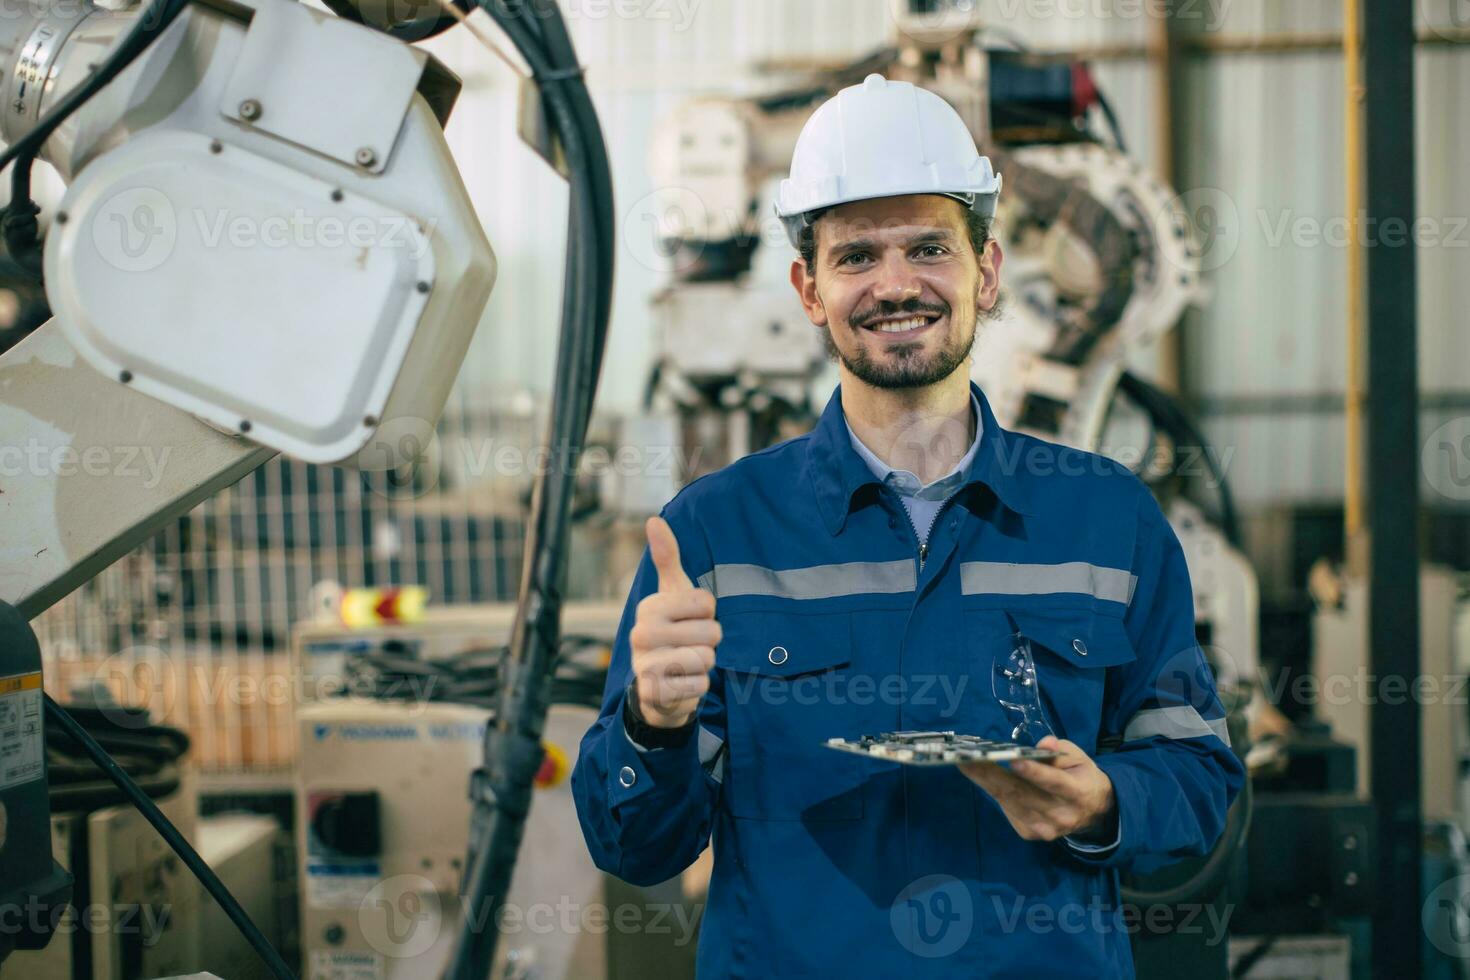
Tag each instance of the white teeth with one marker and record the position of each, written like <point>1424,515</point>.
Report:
<point>899,326</point>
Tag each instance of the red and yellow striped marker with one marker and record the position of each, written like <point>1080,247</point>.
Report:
<point>362,608</point>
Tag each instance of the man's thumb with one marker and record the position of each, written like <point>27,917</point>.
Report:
<point>664,549</point>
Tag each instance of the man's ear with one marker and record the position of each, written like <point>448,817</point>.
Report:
<point>806,290</point>
<point>990,262</point>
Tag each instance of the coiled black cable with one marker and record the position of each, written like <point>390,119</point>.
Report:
<point>58,716</point>
<point>475,676</point>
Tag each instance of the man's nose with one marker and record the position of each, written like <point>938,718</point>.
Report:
<point>895,281</point>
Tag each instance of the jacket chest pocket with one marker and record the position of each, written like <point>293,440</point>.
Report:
<point>1061,686</point>
<point>788,688</point>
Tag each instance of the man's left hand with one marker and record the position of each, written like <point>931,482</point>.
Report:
<point>1067,796</point>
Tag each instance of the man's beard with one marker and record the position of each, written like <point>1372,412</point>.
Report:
<point>911,368</point>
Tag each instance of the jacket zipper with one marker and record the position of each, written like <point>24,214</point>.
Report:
<point>924,541</point>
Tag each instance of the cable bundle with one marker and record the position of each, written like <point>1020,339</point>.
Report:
<point>398,673</point>
<point>148,753</point>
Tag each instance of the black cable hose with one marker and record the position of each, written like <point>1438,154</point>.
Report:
<point>473,676</point>
<point>19,224</point>
<point>89,796</point>
<point>501,787</point>
<point>1112,118</point>
<point>58,715</point>
<point>1170,416</point>
<point>1207,880</point>
<point>423,28</point>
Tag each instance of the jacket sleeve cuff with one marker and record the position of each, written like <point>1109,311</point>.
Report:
<point>646,737</point>
<point>1094,850</point>
<point>1128,797</point>
<point>633,770</point>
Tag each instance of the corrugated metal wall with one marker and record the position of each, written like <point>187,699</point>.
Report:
<point>1267,359</point>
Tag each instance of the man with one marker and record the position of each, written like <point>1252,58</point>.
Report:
<point>908,565</point>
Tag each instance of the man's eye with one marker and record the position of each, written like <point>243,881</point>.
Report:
<point>932,250</point>
<point>849,258</point>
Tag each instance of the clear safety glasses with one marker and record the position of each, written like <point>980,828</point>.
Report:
<point>1014,684</point>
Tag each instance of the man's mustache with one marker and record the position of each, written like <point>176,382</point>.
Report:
<point>882,310</point>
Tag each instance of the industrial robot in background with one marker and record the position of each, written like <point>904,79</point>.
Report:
<point>1101,262</point>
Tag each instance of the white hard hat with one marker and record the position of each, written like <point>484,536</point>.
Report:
<point>883,139</point>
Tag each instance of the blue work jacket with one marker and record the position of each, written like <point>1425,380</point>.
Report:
<point>828,864</point>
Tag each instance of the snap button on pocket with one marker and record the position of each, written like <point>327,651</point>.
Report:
<point>1080,647</point>
<point>627,776</point>
<point>777,655</point>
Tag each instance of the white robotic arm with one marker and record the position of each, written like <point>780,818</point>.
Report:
<point>264,246</point>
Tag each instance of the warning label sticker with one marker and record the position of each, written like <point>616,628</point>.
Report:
<point>22,732</point>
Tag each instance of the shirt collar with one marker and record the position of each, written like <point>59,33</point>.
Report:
<point>908,484</point>
<point>836,471</point>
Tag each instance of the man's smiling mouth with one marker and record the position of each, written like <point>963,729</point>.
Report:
<point>903,323</point>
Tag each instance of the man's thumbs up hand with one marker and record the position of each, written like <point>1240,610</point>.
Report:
<point>673,638</point>
<point>663,548</point>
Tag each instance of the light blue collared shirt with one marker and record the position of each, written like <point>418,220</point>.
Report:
<point>922,500</point>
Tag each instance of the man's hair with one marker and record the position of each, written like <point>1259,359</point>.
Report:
<point>806,241</point>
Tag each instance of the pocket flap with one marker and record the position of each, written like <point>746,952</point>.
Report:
<point>784,644</point>
<point>1082,637</point>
